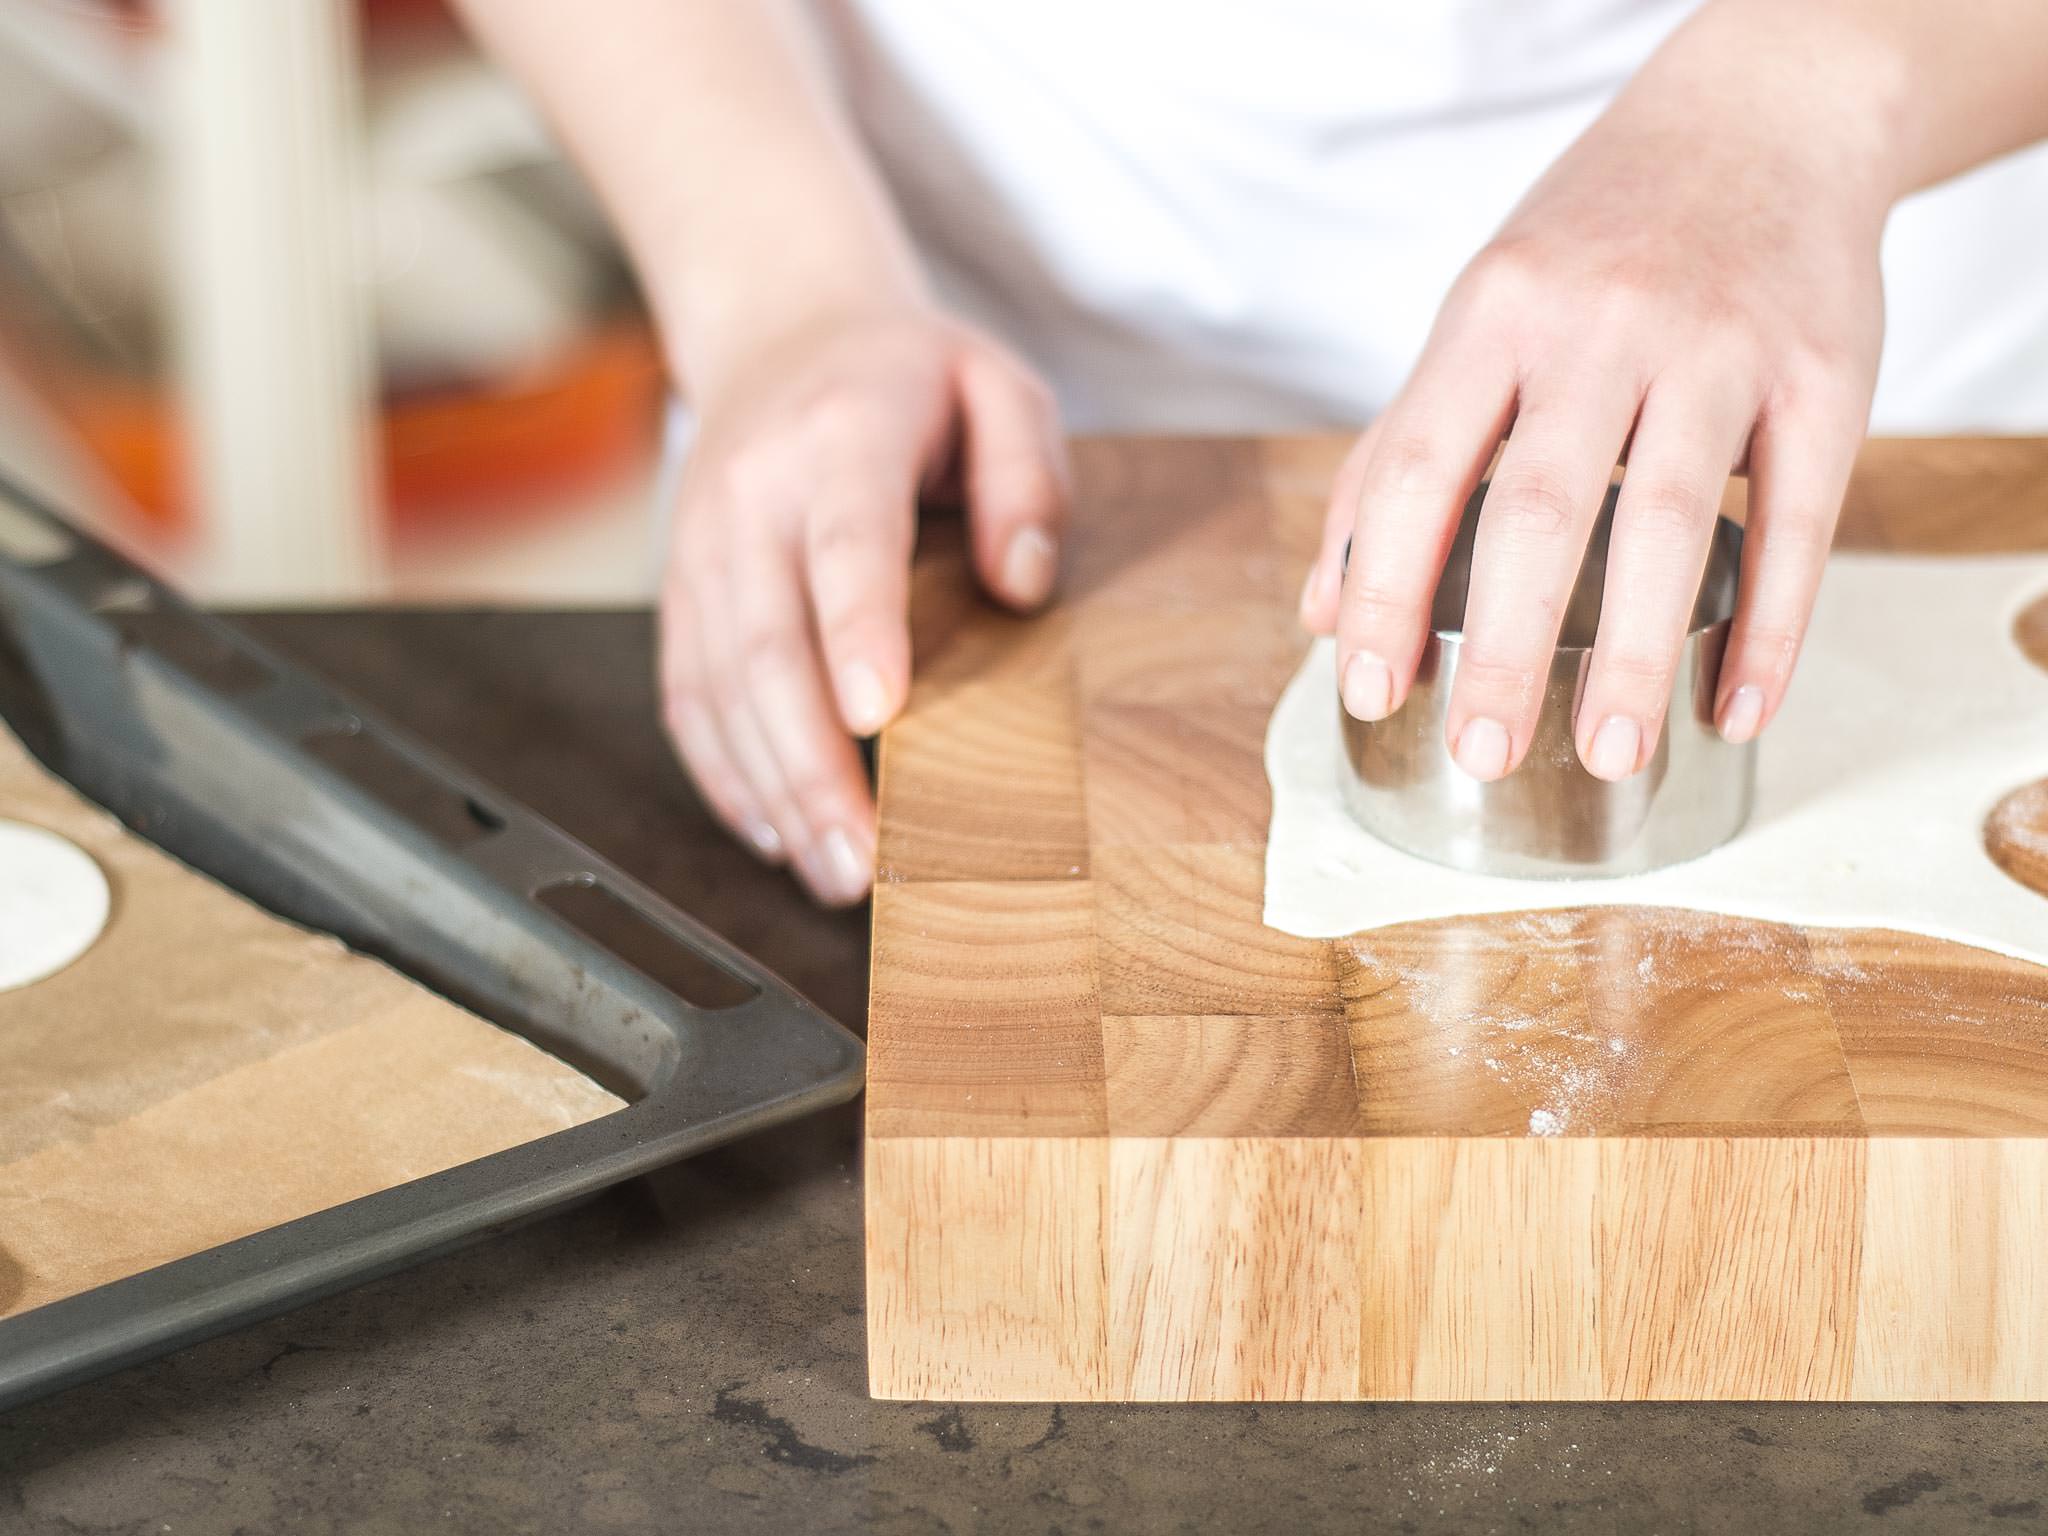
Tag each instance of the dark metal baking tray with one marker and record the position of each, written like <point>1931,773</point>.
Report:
<point>214,749</point>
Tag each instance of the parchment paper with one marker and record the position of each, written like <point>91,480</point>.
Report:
<point>207,1070</point>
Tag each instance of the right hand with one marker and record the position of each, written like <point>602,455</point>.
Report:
<point>785,612</point>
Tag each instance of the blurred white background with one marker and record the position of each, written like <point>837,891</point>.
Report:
<point>298,304</point>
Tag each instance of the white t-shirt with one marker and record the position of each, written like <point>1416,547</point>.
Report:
<point>1242,216</point>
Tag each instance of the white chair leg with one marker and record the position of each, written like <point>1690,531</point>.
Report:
<point>271,288</point>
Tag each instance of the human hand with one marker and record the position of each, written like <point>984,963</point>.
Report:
<point>1696,280</point>
<point>784,616</point>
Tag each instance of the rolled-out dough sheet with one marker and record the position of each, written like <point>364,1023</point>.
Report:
<point>205,1070</point>
<point>1913,713</point>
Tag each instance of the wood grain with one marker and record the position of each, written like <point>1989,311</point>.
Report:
<point>1126,1142</point>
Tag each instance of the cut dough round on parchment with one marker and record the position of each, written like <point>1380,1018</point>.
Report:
<point>53,903</point>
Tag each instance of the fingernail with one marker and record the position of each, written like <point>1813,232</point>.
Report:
<point>1368,687</point>
<point>1743,715</point>
<point>1029,566</point>
<point>863,698</point>
<point>766,841</point>
<point>1482,749</point>
<point>1615,746</point>
<point>841,874</point>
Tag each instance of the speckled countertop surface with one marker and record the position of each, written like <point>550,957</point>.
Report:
<point>685,1354</point>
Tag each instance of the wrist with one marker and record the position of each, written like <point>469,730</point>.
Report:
<point>716,320</point>
<point>718,342</point>
<point>1819,84</point>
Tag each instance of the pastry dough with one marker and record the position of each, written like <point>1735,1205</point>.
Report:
<point>1913,714</point>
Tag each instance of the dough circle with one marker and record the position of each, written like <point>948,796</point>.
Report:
<point>53,903</point>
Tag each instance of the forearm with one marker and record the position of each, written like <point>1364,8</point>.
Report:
<point>1929,88</point>
<point>713,136</point>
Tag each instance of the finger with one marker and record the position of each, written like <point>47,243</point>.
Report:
<point>1552,477</point>
<point>1016,477</point>
<point>1799,464</point>
<point>724,643</point>
<point>785,707</point>
<point>694,729</point>
<point>1686,438</point>
<point>1429,450</point>
<point>1326,571</point>
<point>857,544</point>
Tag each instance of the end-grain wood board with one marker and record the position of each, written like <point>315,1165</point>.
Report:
<point>1126,1142</point>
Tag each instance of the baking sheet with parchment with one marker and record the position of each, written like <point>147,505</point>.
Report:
<point>207,1070</point>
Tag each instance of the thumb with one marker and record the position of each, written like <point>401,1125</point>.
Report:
<point>1015,471</point>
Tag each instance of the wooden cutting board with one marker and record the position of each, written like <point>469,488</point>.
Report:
<point>1126,1142</point>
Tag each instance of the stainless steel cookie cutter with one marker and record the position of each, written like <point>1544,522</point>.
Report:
<point>1550,818</point>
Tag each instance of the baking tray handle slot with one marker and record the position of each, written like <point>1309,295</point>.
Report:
<point>664,957</point>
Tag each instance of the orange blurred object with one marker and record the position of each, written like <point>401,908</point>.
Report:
<point>570,423</point>
<point>464,446</point>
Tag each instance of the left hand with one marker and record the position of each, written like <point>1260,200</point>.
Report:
<point>1695,280</point>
